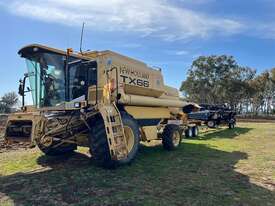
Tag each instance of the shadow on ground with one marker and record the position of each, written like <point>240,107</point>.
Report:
<point>192,175</point>
<point>224,133</point>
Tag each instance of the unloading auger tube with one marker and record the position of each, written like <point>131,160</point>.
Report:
<point>101,100</point>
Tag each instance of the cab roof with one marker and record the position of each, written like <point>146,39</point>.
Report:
<point>29,49</point>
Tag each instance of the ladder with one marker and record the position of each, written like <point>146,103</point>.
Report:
<point>115,131</point>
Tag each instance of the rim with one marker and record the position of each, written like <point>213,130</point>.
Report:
<point>130,138</point>
<point>176,138</point>
<point>46,141</point>
<point>211,124</point>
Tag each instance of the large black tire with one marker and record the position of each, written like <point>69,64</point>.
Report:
<point>63,149</point>
<point>168,141</point>
<point>99,147</point>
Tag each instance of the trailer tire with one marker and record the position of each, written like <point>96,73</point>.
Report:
<point>188,133</point>
<point>195,131</point>
<point>64,149</point>
<point>171,137</point>
<point>231,125</point>
<point>99,147</point>
<point>211,124</point>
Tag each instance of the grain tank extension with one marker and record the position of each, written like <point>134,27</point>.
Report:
<point>101,100</point>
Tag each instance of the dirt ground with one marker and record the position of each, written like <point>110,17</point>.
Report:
<point>7,147</point>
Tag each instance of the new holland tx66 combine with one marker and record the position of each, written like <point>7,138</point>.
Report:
<point>101,100</point>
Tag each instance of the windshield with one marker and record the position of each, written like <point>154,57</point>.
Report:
<point>47,79</point>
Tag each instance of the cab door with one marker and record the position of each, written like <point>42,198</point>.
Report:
<point>82,75</point>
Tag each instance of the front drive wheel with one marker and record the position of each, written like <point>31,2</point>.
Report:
<point>171,137</point>
<point>99,147</point>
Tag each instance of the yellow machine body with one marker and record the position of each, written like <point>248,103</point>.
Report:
<point>123,86</point>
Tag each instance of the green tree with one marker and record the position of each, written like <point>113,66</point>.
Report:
<point>217,80</point>
<point>7,101</point>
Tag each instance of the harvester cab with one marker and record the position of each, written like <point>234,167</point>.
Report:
<point>102,100</point>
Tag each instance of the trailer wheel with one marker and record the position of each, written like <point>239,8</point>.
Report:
<point>195,131</point>
<point>231,125</point>
<point>171,137</point>
<point>211,124</point>
<point>63,149</point>
<point>99,147</point>
<point>189,133</point>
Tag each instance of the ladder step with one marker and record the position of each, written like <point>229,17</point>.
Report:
<point>116,124</point>
<point>113,118</point>
<point>119,140</point>
<point>118,135</point>
<point>121,146</point>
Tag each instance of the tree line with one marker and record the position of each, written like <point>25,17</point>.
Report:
<point>220,80</point>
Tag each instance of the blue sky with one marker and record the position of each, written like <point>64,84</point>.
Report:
<point>165,33</point>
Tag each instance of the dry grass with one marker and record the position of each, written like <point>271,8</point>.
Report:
<point>222,167</point>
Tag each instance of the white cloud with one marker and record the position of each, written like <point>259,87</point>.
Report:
<point>177,52</point>
<point>182,52</point>
<point>156,18</point>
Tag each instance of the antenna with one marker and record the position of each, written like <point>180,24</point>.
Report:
<point>81,38</point>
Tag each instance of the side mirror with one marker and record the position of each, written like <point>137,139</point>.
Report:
<point>21,91</point>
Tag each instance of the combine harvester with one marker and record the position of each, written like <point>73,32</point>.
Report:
<point>101,100</point>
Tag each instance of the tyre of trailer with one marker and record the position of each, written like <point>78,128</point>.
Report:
<point>171,137</point>
<point>98,142</point>
<point>211,124</point>
<point>188,133</point>
<point>231,124</point>
<point>195,131</point>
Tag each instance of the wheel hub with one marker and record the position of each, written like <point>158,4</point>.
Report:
<point>176,139</point>
<point>130,138</point>
<point>46,141</point>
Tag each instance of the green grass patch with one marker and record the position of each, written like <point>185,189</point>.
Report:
<point>220,167</point>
